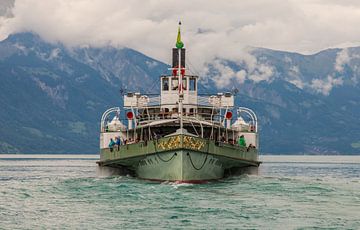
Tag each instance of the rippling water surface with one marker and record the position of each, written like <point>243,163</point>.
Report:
<point>290,192</point>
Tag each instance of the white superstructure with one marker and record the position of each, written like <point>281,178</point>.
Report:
<point>179,107</point>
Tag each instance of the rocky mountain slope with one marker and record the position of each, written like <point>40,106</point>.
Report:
<point>52,97</point>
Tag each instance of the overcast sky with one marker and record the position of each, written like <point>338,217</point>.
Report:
<point>210,28</point>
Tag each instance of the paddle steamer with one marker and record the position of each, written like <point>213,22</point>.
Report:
<point>179,135</point>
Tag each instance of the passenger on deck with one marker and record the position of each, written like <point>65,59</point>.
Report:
<point>222,138</point>
<point>242,141</point>
<point>251,146</point>
<point>111,145</point>
<point>166,86</point>
<point>118,142</point>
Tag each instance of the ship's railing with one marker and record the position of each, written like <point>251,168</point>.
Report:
<point>157,112</point>
<point>105,116</point>
<point>204,101</point>
<point>251,114</point>
<point>152,116</point>
<point>156,101</point>
<point>153,101</point>
<point>174,142</point>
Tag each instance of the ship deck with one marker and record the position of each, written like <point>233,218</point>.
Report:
<point>127,155</point>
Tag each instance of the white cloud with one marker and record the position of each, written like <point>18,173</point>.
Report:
<point>5,8</point>
<point>212,29</point>
<point>54,54</point>
<point>262,73</point>
<point>345,57</point>
<point>253,71</point>
<point>240,76</point>
<point>225,75</point>
<point>342,59</point>
<point>294,75</point>
<point>324,86</point>
<point>149,26</point>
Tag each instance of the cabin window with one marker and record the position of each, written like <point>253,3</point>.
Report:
<point>192,84</point>
<point>165,84</point>
<point>174,83</point>
<point>184,83</point>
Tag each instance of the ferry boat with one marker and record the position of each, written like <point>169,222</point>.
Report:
<point>179,136</point>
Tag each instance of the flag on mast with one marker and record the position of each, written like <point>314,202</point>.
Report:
<point>179,43</point>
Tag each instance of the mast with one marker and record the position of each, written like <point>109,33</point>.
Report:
<point>179,46</point>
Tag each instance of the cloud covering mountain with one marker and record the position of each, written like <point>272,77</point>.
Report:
<point>52,96</point>
<point>318,73</point>
<point>212,29</point>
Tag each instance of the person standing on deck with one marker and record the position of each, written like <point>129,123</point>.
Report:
<point>242,141</point>
<point>111,144</point>
<point>118,142</point>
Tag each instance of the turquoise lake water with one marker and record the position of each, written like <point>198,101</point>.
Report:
<point>290,192</point>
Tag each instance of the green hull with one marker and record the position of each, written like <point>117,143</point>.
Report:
<point>181,165</point>
<point>180,158</point>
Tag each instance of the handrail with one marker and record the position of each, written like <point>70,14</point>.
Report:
<point>149,116</point>
<point>251,113</point>
<point>201,127</point>
<point>106,114</point>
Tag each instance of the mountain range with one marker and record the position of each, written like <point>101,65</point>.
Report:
<point>52,96</point>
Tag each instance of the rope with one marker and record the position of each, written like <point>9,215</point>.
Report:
<point>194,128</point>
<point>167,160</point>
<point>155,143</point>
<point>192,163</point>
<point>153,86</point>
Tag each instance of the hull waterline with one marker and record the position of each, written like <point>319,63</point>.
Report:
<point>182,165</point>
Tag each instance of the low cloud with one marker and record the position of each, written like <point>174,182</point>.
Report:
<point>342,58</point>
<point>293,76</point>
<point>301,26</point>
<point>226,76</point>
<point>212,30</point>
<point>5,8</point>
<point>261,73</point>
<point>324,86</point>
<point>346,58</point>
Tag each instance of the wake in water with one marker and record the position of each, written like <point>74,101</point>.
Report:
<point>104,171</point>
<point>57,193</point>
